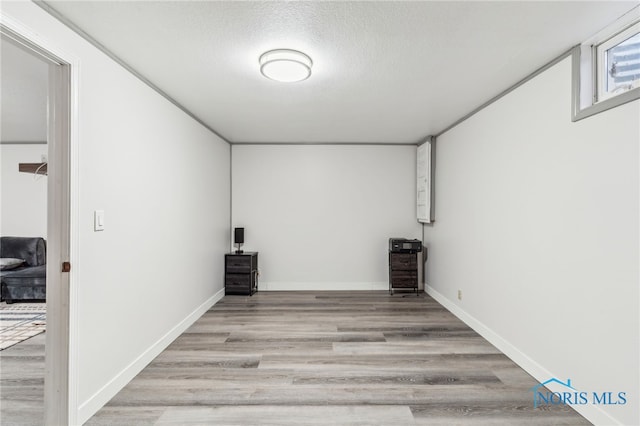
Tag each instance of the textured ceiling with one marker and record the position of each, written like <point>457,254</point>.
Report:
<point>384,72</point>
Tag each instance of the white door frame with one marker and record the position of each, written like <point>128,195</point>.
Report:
<point>61,380</point>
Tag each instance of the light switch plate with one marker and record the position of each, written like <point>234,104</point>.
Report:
<point>98,220</point>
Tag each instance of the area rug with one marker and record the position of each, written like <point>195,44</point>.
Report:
<point>20,321</point>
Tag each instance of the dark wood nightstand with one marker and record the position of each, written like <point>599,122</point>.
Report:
<point>241,273</point>
<point>403,271</point>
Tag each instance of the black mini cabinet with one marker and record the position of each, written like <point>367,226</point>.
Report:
<point>403,271</point>
<point>241,273</point>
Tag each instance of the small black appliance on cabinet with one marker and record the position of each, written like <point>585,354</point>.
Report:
<point>241,273</point>
<point>238,239</point>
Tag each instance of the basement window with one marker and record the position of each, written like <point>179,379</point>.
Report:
<point>606,68</point>
<point>618,63</point>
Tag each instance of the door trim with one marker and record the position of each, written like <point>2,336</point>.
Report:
<point>61,364</point>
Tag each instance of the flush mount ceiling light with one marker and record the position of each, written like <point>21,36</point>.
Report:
<point>285,65</point>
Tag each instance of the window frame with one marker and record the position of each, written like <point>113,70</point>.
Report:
<point>585,100</point>
<point>600,52</point>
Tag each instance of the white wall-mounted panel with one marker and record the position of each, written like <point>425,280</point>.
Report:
<point>423,182</point>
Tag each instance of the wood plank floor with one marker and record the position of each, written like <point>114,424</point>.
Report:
<point>22,383</point>
<point>318,358</point>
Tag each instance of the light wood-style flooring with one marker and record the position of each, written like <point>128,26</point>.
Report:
<point>22,383</point>
<point>313,358</point>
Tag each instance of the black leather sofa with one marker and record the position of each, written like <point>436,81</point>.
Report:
<point>27,282</point>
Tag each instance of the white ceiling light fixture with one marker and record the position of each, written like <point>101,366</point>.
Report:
<point>285,65</point>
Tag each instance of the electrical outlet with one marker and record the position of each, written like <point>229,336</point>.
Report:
<point>459,294</point>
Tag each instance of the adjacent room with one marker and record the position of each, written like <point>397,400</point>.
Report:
<point>381,213</point>
<point>23,194</point>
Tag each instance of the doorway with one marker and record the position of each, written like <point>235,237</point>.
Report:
<point>60,402</point>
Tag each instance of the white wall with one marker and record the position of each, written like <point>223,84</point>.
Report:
<point>537,223</point>
<point>23,196</point>
<point>320,215</point>
<point>163,181</point>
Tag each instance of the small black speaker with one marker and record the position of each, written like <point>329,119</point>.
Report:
<point>239,236</point>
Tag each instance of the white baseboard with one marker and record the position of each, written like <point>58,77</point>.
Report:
<point>321,286</point>
<point>108,391</point>
<point>593,413</point>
